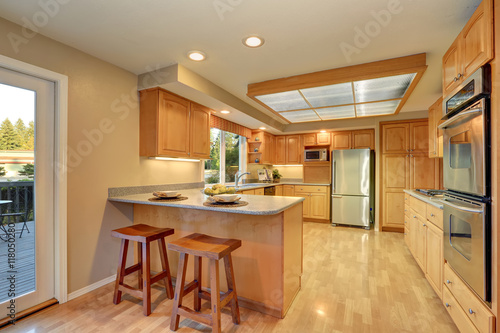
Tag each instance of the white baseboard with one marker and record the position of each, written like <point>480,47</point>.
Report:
<point>91,287</point>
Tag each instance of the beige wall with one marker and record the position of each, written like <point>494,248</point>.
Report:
<point>99,94</point>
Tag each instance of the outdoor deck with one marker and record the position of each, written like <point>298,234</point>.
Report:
<point>24,264</point>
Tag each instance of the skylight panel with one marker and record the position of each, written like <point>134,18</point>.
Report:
<point>284,101</point>
<point>338,112</point>
<point>336,94</point>
<point>300,116</point>
<point>376,109</point>
<point>391,87</point>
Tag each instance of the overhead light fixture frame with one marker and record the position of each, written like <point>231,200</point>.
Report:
<point>414,64</point>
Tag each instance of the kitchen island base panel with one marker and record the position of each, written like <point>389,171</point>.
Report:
<point>268,266</point>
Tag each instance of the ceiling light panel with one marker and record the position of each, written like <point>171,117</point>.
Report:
<point>337,94</point>
<point>376,109</point>
<point>300,116</point>
<point>288,100</point>
<point>338,112</point>
<point>383,88</point>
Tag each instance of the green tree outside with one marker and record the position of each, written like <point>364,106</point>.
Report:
<point>3,172</point>
<point>28,171</point>
<point>9,138</point>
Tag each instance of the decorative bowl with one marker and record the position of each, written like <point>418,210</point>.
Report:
<point>224,198</point>
<point>166,194</point>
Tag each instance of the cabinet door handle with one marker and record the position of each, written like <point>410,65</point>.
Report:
<point>455,79</point>
<point>471,311</point>
<point>414,216</point>
<point>432,215</point>
<point>447,305</point>
<point>448,281</point>
<point>423,225</point>
<point>459,76</point>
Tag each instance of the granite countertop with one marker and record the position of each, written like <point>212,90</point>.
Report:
<point>435,201</point>
<point>257,204</point>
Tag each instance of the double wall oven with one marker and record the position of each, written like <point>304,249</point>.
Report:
<point>466,176</point>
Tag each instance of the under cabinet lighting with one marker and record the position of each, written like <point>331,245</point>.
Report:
<point>174,159</point>
<point>322,131</point>
<point>262,128</point>
<point>225,111</point>
<point>286,165</point>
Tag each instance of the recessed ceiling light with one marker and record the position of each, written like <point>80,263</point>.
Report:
<point>262,128</point>
<point>225,111</point>
<point>253,41</point>
<point>196,55</point>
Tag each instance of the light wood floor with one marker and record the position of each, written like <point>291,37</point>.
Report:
<point>354,281</point>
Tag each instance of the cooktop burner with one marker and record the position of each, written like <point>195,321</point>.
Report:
<point>430,192</point>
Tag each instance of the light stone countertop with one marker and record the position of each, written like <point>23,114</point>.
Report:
<point>257,204</point>
<point>435,202</point>
<point>261,185</point>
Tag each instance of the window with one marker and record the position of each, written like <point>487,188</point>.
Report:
<point>227,156</point>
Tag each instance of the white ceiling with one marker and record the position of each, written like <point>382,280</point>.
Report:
<point>300,36</point>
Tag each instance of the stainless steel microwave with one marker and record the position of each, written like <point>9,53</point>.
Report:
<point>316,155</point>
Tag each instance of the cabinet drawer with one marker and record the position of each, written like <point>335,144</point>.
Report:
<point>457,314</point>
<point>419,206</point>
<point>259,191</point>
<point>435,215</point>
<point>481,316</point>
<point>407,198</point>
<point>310,189</point>
<point>407,210</point>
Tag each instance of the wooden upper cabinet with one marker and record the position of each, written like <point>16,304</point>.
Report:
<point>363,139</point>
<point>341,140</point>
<point>280,149</point>
<point>293,149</point>
<point>200,131</point>
<point>316,139</point>
<point>451,66</point>
<point>356,139</point>
<point>309,139</point>
<point>477,38</point>
<point>396,138</point>
<point>268,155</point>
<point>323,138</point>
<point>435,134</point>
<point>472,49</point>
<point>419,137</point>
<point>172,126</point>
<point>424,172</point>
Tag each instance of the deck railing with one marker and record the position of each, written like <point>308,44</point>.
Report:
<point>21,193</point>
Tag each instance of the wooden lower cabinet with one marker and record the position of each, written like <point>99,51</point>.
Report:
<point>279,190</point>
<point>316,206</point>
<point>457,313</point>
<point>425,240</point>
<point>474,310</point>
<point>288,190</point>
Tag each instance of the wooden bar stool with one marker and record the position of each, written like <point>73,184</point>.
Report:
<point>214,249</point>
<point>143,234</point>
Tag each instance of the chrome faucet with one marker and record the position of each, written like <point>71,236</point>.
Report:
<point>237,177</point>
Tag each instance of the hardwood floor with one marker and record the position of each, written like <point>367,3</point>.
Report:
<point>354,281</point>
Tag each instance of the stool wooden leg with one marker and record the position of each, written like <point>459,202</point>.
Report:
<point>166,267</point>
<point>139,271</point>
<point>146,277</point>
<point>231,285</point>
<point>197,277</point>
<point>120,274</point>
<point>215,295</point>
<point>179,291</point>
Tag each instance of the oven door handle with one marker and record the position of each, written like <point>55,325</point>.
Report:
<point>457,117</point>
<point>462,208</point>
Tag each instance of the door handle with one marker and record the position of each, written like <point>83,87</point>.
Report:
<point>459,116</point>
<point>336,196</point>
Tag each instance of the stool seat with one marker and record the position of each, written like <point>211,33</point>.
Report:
<point>214,249</point>
<point>205,246</point>
<point>142,233</point>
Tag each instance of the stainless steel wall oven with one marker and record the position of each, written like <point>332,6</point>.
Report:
<point>466,176</point>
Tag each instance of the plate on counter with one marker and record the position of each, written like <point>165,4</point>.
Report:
<point>166,194</point>
<point>224,198</point>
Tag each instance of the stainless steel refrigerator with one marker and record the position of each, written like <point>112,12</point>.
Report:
<point>352,187</point>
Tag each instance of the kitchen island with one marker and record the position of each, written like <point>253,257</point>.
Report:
<point>268,266</point>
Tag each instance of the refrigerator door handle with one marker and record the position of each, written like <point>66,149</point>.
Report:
<point>333,174</point>
<point>336,196</point>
